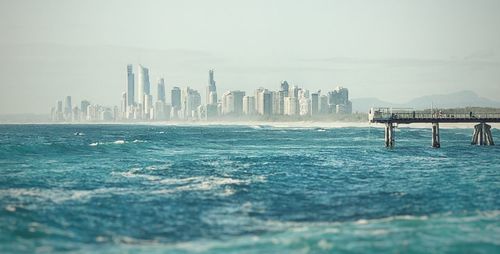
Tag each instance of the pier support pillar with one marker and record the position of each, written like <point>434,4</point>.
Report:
<point>482,135</point>
<point>389,135</point>
<point>436,142</point>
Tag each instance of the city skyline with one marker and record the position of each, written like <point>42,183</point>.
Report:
<point>410,48</point>
<point>138,103</point>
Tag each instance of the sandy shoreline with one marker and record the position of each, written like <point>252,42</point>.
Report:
<point>302,124</point>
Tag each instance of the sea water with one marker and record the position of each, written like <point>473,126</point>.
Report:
<point>245,189</point>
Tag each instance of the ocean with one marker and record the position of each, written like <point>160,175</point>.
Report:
<point>245,189</point>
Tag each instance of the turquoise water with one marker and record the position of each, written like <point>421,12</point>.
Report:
<point>236,189</point>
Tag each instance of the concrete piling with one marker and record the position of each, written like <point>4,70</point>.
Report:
<point>482,135</point>
<point>436,142</point>
<point>389,135</point>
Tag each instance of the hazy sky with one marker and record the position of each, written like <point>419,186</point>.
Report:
<point>393,50</point>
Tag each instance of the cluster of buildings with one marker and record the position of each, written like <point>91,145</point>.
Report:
<point>138,103</point>
<point>86,112</point>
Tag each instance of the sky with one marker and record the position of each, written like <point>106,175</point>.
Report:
<point>394,50</point>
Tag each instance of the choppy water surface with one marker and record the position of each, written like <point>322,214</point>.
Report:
<point>233,189</point>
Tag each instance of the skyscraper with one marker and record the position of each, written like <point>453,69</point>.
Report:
<point>84,108</point>
<point>227,103</point>
<point>161,90</point>
<point>284,88</point>
<point>148,106</point>
<point>238,102</point>
<point>190,101</point>
<point>59,111</point>
<point>211,89</point>
<point>291,106</point>
<point>315,103</point>
<point>338,101</point>
<point>248,105</point>
<point>175,97</point>
<point>123,106</point>
<point>143,84</point>
<point>68,109</point>
<point>267,103</point>
<point>232,102</point>
<point>130,86</point>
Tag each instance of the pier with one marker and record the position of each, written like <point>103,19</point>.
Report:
<point>393,117</point>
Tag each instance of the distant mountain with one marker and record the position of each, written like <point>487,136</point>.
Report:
<point>362,105</point>
<point>452,100</point>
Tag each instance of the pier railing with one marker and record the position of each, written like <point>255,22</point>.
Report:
<point>429,117</point>
<point>392,117</point>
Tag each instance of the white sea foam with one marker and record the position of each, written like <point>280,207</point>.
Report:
<point>199,183</point>
<point>133,174</point>
<point>58,195</point>
<point>283,236</point>
<point>116,142</point>
<point>10,208</point>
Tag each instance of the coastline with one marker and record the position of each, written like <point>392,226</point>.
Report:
<point>274,124</point>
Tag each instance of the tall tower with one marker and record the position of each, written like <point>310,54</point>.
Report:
<point>143,86</point>
<point>211,89</point>
<point>161,90</point>
<point>176,97</point>
<point>130,86</point>
<point>68,109</point>
<point>284,88</point>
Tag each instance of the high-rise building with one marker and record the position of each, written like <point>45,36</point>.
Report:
<point>175,97</point>
<point>284,88</point>
<point>53,116</point>
<point>323,104</point>
<point>59,111</point>
<point>84,108</point>
<point>291,106</point>
<point>211,89</point>
<point>161,111</point>
<point>263,101</point>
<point>232,103</point>
<point>130,86</point>
<point>338,101</point>
<point>161,90</point>
<point>238,102</point>
<point>293,91</point>
<point>148,106</point>
<point>227,103</point>
<point>68,109</point>
<point>143,84</point>
<point>123,106</point>
<point>190,101</point>
<point>248,105</point>
<point>76,113</point>
<point>278,102</point>
<point>314,103</point>
<point>259,94</point>
<point>304,106</point>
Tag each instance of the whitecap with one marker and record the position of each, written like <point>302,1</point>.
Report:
<point>10,208</point>
<point>201,184</point>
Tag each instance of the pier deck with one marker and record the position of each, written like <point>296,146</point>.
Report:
<point>392,117</point>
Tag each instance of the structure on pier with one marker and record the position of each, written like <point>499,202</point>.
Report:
<point>393,117</point>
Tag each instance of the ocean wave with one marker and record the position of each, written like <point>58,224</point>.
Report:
<point>198,183</point>
<point>56,195</point>
<point>405,233</point>
<point>116,142</point>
